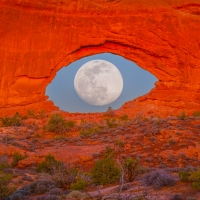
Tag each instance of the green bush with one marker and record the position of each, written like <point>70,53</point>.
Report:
<point>57,169</point>
<point>42,114</point>
<point>106,171</point>
<point>119,143</point>
<point>184,175</point>
<point>80,184</point>
<point>31,113</point>
<point>3,166</point>
<point>124,117</point>
<point>111,122</point>
<point>71,123</point>
<point>57,124</point>
<point>196,114</point>
<point>17,157</point>
<point>195,178</point>
<point>5,178</point>
<point>5,191</point>
<point>110,112</point>
<point>49,164</point>
<point>59,138</point>
<point>89,131</point>
<point>131,168</point>
<point>16,120</point>
<point>182,116</point>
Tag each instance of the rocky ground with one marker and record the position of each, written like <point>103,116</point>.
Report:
<point>170,144</point>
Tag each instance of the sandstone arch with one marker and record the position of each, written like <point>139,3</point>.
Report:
<point>39,37</point>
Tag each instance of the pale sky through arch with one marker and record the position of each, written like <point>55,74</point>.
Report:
<point>137,82</point>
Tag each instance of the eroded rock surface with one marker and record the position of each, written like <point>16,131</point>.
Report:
<point>38,38</point>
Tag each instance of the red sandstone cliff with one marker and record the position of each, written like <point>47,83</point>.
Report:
<point>39,37</point>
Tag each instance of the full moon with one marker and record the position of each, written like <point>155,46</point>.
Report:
<point>98,82</point>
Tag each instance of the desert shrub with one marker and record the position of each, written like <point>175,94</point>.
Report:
<point>3,166</point>
<point>106,171</point>
<point>23,191</point>
<point>88,128</point>
<point>37,135</point>
<point>49,164</point>
<point>17,196</point>
<point>131,168</point>
<point>31,113</point>
<point>89,131</point>
<point>195,178</point>
<point>8,139</point>
<point>55,191</point>
<point>172,142</point>
<point>58,124</point>
<point>110,112</point>
<point>41,186</point>
<point>158,179</point>
<point>71,123</point>
<point>182,116</point>
<point>119,143</point>
<point>57,170</point>
<point>111,122</point>
<point>196,114</point>
<point>80,184</point>
<point>74,194</point>
<point>16,158</point>
<point>42,114</point>
<point>59,138</point>
<point>33,126</point>
<point>16,120</point>
<point>5,190</point>
<point>124,117</point>
<point>184,175</point>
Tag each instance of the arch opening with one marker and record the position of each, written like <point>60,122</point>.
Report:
<point>137,82</point>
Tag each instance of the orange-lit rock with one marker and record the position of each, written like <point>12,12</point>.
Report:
<point>40,37</point>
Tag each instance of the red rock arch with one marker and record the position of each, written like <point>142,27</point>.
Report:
<point>39,37</point>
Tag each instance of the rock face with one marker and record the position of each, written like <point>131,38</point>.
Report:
<point>40,37</point>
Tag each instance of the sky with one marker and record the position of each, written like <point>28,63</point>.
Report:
<point>136,80</point>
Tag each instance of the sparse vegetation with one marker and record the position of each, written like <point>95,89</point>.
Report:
<point>17,157</point>
<point>137,138</point>
<point>119,143</point>
<point>16,120</point>
<point>111,122</point>
<point>37,135</point>
<point>158,179</point>
<point>59,138</point>
<point>89,131</point>
<point>49,164</point>
<point>131,168</point>
<point>184,175</point>
<point>195,178</point>
<point>31,113</point>
<point>5,190</point>
<point>196,114</point>
<point>5,178</point>
<point>42,114</point>
<point>110,112</point>
<point>80,184</point>
<point>106,171</point>
<point>58,124</point>
<point>124,117</point>
<point>182,116</point>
